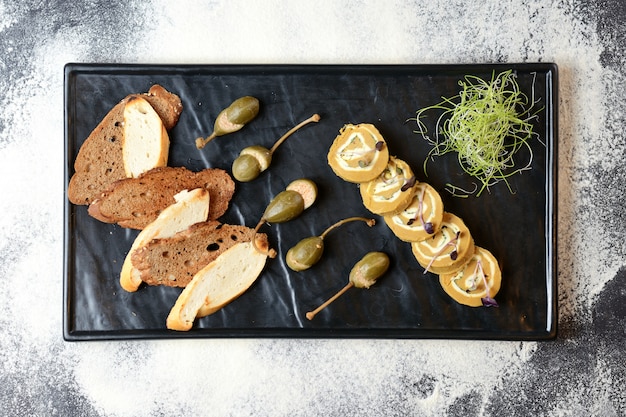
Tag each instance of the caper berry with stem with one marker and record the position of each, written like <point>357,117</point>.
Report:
<point>232,118</point>
<point>308,251</point>
<point>363,275</point>
<point>288,204</point>
<point>255,159</point>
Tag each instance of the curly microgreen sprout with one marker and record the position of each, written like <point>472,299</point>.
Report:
<point>427,226</point>
<point>487,300</point>
<point>453,255</point>
<point>388,179</point>
<point>487,124</point>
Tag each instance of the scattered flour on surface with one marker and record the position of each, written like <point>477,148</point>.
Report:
<point>292,377</point>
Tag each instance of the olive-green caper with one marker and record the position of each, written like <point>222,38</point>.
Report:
<point>251,162</point>
<point>264,155</point>
<point>371,267</point>
<point>285,206</point>
<point>232,118</point>
<point>246,168</point>
<point>242,110</point>
<point>309,251</point>
<point>305,253</point>
<point>363,275</point>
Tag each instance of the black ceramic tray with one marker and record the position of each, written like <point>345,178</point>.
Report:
<point>518,228</point>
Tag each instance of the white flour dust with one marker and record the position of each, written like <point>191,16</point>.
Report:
<point>220,377</point>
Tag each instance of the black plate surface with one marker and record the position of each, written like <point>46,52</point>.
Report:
<point>518,228</point>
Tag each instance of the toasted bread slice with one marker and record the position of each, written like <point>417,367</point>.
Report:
<point>136,202</point>
<point>100,159</point>
<point>217,284</point>
<point>173,261</point>
<point>167,105</point>
<point>190,207</point>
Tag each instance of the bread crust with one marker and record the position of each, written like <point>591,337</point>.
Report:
<point>191,206</point>
<point>173,261</point>
<point>167,105</point>
<point>100,162</point>
<point>136,202</point>
<point>217,284</point>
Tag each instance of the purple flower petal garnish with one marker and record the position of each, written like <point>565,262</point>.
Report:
<point>409,184</point>
<point>489,302</point>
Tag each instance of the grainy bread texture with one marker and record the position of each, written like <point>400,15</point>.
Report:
<point>173,261</point>
<point>136,202</point>
<point>100,160</point>
<point>217,284</point>
<point>190,207</point>
<point>167,105</point>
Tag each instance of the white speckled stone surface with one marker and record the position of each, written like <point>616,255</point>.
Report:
<point>581,373</point>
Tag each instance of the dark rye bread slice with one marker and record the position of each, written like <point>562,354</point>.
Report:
<point>167,105</point>
<point>136,202</point>
<point>175,260</point>
<point>100,161</point>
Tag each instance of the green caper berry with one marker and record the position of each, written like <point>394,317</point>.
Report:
<point>243,110</point>
<point>246,168</point>
<point>285,206</point>
<point>371,267</point>
<point>305,253</point>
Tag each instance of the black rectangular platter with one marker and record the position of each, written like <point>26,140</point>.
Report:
<point>519,228</point>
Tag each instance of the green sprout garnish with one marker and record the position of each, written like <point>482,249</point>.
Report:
<point>487,124</point>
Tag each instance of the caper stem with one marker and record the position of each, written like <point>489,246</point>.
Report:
<point>314,118</point>
<point>271,253</point>
<point>201,142</point>
<point>312,314</point>
<point>370,223</point>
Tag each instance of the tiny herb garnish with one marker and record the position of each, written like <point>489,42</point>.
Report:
<point>427,226</point>
<point>486,300</point>
<point>487,124</point>
<point>408,184</point>
<point>366,156</point>
<point>453,255</point>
